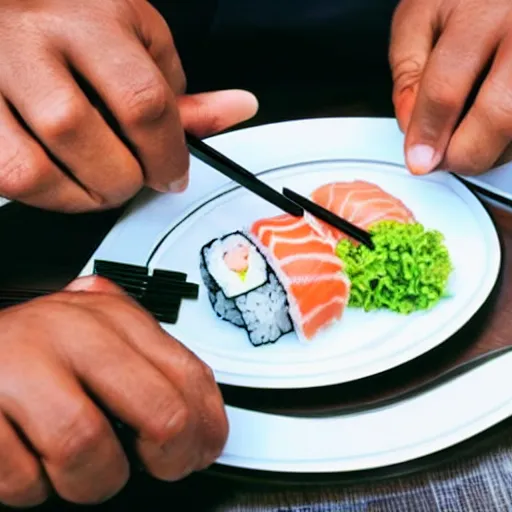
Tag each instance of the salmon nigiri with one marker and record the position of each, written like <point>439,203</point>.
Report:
<point>359,202</point>
<point>310,272</point>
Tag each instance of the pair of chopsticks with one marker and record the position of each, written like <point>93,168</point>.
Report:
<point>289,201</point>
<point>160,293</point>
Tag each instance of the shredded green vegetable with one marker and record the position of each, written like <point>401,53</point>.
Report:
<point>407,271</point>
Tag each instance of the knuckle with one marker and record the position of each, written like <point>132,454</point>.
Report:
<point>168,419</point>
<point>207,374</point>
<point>21,172</point>
<point>80,434</point>
<point>60,119</point>
<point>440,95</point>
<point>405,69</point>
<point>204,116</point>
<point>146,102</point>
<point>204,374</point>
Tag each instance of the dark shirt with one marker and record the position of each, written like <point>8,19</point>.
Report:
<point>259,39</point>
<point>242,15</point>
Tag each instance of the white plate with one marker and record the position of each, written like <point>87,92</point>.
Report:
<point>361,344</point>
<point>413,428</point>
<point>410,429</point>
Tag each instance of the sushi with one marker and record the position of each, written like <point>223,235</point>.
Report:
<point>361,203</point>
<point>243,290</point>
<point>284,273</point>
<point>305,263</point>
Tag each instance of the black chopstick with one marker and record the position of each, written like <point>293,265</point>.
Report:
<point>321,213</point>
<point>173,287</point>
<point>161,293</point>
<point>112,266</point>
<point>289,201</point>
<point>240,175</point>
<point>156,285</point>
<point>170,274</point>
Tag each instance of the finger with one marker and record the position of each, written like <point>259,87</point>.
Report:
<point>208,113</point>
<point>29,176</point>
<point>181,367</point>
<point>412,39</point>
<point>59,114</point>
<point>78,449</point>
<point>486,131</point>
<point>158,40</point>
<point>135,390</point>
<point>206,423</point>
<point>459,57</point>
<point>136,93</point>
<point>22,481</point>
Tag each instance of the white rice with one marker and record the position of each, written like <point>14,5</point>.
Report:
<point>265,313</point>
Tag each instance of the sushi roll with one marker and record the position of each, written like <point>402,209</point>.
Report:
<point>243,290</point>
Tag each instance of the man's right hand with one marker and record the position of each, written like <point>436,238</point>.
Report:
<point>93,340</point>
<point>56,149</point>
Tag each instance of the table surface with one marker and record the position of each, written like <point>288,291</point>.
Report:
<point>49,249</point>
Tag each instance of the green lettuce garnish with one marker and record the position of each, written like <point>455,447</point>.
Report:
<point>407,271</point>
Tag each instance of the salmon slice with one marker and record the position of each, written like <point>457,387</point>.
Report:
<point>309,271</point>
<point>359,202</point>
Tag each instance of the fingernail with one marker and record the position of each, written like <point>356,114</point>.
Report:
<point>81,284</point>
<point>179,185</point>
<point>160,188</point>
<point>93,283</point>
<point>421,159</point>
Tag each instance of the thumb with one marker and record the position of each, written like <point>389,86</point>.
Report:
<point>211,112</point>
<point>412,40</point>
<point>93,284</point>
